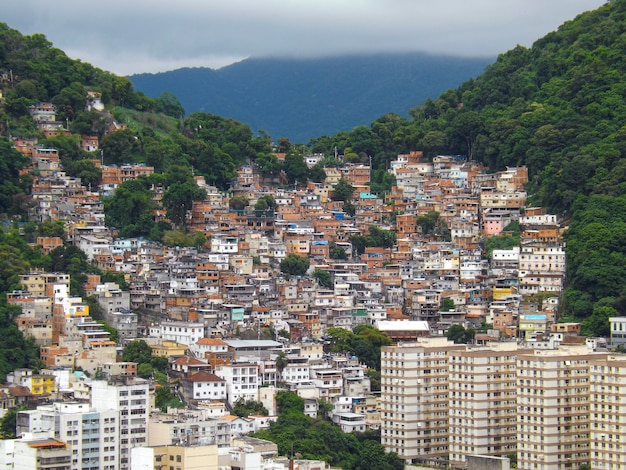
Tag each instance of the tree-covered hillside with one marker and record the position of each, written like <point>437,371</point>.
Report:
<point>304,98</point>
<point>559,108</point>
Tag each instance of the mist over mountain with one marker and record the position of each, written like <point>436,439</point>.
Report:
<point>306,98</point>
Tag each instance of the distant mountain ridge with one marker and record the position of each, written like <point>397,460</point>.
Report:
<point>306,98</point>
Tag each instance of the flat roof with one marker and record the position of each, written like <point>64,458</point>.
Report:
<point>402,325</point>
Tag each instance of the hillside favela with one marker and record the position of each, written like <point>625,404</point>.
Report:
<point>442,290</point>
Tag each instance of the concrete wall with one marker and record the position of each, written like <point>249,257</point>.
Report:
<point>479,462</point>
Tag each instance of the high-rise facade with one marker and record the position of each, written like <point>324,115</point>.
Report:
<point>553,408</point>
<point>556,409</point>
<point>129,396</point>
<point>482,402</point>
<point>608,413</point>
<point>415,398</point>
<point>92,436</point>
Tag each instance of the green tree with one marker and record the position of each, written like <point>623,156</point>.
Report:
<point>323,278</point>
<point>265,206</point>
<point>342,191</point>
<point>51,229</point>
<point>456,333</point>
<point>349,208</point>
<point>11,162</point>
<point>295,265</point>
<point>318,174</point>
<point>15,350</point>
<point>297,434</point>
<point>288,402</point>
<point>459,334</point>
<point>432,224</point>
<point>597,324</point>
<point>268,164</point>
<point>359,243</point>
<point>145,370</point>
<point>121,147</point>
<point>367,343</point>
<point>137,351</point>
<point>130,209</point>
<point>281,363</point>
<point>159,364</point>
<point>324,408</point>
<point>380,237</point>
<point>114,335</point>
<point>447,305</point>
<point>245,408</point>
<point>238,203</point>
<point>178,200</point>
<point>295,167</point>
<point>8,423</point>
<point>168,104</point>
<point>86,170</point>
<point>164,398</point>
<point>339,340</point>
<point>337,252</point>
<point>375,378</point>
<point>68,147</point>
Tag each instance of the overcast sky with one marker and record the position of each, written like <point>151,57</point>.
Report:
<point>135,36</point>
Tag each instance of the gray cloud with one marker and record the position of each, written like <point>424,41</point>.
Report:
<point>135,36</point>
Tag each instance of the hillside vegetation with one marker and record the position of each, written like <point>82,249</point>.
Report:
<point>558,107</point>
<point>304,98</point>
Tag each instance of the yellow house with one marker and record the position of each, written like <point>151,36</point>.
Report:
<point>76,308</point>
<point>500,293</point>
<point>164,348</point>
<point>42,384</point>
<point>184,457</point>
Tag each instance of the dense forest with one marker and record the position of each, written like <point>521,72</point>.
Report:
<point>558,107</point>
<point>303,98</point>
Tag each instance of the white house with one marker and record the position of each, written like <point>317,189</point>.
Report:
<point>204,386</point>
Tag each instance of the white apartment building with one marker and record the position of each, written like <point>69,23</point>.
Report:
<point>329,382</point>
<point>557,408</point>
<point>92,436</point>
<point>204,386</point>
<point>415,398</point>
<point>209,347</point>
<point>224,244</point>
<point>130,398</point>
<point>608,413</point>
<point>189,427</point>
<point>505,258</point>
<point>553,408</point>
<point>242,380</point>
<point>539,219</point>
<point>483,407</point>
<point>296,370</point>
<point>181,332</point>
<point>35,451</point>
<point>111,298</point>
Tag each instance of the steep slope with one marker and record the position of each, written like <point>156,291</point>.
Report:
<point>560,109</point>
<point>302,99</point>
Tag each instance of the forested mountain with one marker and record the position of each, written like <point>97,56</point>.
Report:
<point>558,107</point>
<point>301,99</point>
